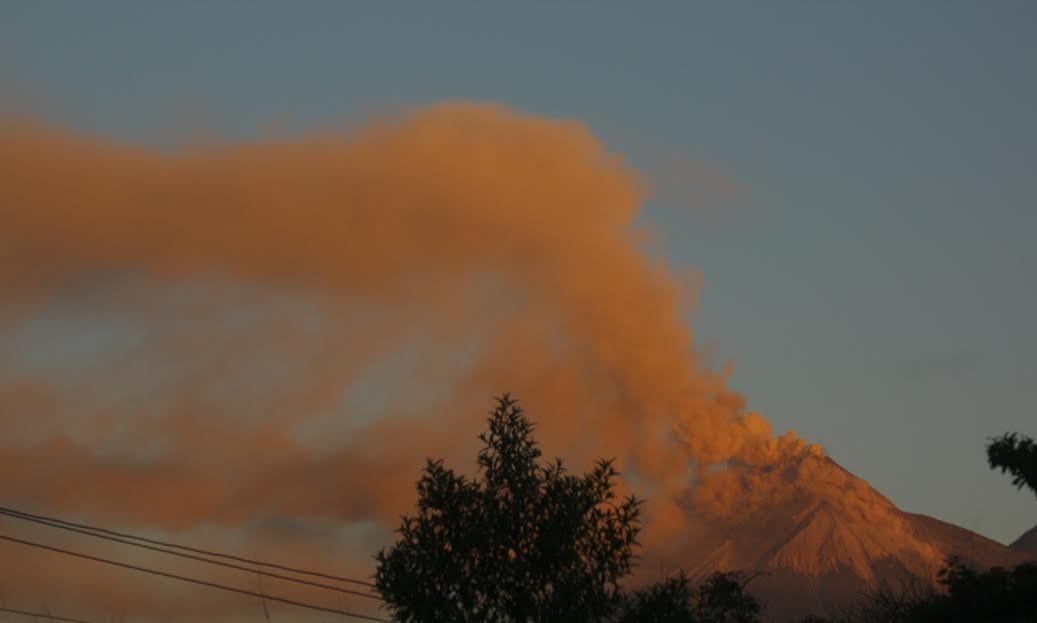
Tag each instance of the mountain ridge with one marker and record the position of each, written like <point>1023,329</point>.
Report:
<point>820,536</point>
<point>1027,543</point>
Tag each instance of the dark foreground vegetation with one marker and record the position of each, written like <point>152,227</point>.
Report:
<point>526,541</point>
<point>965,596</point>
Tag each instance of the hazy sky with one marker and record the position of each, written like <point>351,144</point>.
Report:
<point>865,229</point>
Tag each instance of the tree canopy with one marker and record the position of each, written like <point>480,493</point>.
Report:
<point>523,541</point>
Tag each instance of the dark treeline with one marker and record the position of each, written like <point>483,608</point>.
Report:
<point>965,595</point>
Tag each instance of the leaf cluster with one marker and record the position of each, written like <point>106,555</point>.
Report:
<point>1017,455</point>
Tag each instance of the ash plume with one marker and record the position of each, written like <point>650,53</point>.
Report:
<point>288,329</point>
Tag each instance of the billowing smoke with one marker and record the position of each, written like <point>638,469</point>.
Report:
<point>230,335</point>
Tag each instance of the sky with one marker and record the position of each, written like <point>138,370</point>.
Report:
<point>852,184</point>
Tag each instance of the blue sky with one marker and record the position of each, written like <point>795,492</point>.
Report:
<point>872,275</point>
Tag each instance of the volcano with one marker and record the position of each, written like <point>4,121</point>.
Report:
<point>819,537</point>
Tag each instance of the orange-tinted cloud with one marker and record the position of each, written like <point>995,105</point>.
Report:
<point>449,255</point>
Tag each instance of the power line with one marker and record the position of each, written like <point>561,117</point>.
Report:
<point>56,524</point>
<point>191,580</point>
<point>124,535</point>
<point>40,615</point>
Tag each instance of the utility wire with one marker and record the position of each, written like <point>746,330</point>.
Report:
<point>40,615</point>
<point>191,580</point>
<point>327,576</point>
<point>55,524</point>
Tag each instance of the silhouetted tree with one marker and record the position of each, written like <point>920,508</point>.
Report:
<point>1016,455</point>
<point>668,601</point>
<point>996,595</point>
<point>720,599</point>
<point>520,542</point>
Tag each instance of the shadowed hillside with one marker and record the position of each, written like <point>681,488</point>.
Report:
<point>1027,543</point>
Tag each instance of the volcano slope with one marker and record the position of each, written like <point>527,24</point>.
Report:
<point>818,536</point>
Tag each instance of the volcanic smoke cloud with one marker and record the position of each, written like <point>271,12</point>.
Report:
<point>242,333</point>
